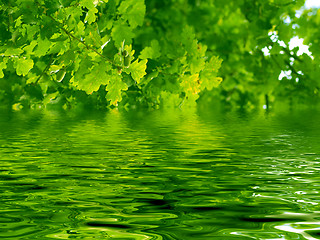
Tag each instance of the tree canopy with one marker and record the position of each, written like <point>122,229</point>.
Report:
<point>128,53</point>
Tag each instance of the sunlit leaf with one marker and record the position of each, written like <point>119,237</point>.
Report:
<point>94,78</point>
<point>115,88</point>
<point>190,84</point>
<point>91,15</point>
<point>23,66</point>
<point>42,47</point>
<point>13,52</point>
<point>3,65</point>
<point>209,74</point>
<point>138,69</point>
<point>121,32</point>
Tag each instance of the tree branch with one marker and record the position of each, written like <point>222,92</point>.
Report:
<point>44,70</point>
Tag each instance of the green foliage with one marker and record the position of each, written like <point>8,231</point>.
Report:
<point>153,53</point>
<point>133,11</point>
<point>23,66</point>
<point>115,89</point>
<point>3,65</point>
<point>238,31</point>
<point>109,50</point>
<point>86,78</point>
<point>209,74</point>
<point>138,70</point>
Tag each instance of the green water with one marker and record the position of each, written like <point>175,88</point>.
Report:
<point>159,175</point>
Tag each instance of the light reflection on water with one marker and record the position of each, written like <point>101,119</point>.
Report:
<point>159,175</point>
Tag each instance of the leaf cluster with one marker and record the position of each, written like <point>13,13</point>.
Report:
<point>98,53</point>
<point>154,53</point>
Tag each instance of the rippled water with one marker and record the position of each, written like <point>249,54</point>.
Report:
<point>159,175</point>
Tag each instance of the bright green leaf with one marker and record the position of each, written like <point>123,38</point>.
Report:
<point>121,32</point>
<point>87,3</point>
<point>13,52</point>
<point>23,66</point>
<point>115,88</point>
<point>3,65</point>
<point>54,68</point>
<point>190,84</point>
<point>91,15</point>
<point>50,97</point>
<point>18,21</point>
<point>81,28</point>
<point>91,80</point>
<point>43,47</point>
<point>209,74</point>
<point>57,47</point>
<point>29,48</point>
<point>32,78</point>
<point>138,69</point>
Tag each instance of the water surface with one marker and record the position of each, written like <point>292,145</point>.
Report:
<point>159,175</point>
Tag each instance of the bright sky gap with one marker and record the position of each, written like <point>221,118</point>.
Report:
<point>295,41</point>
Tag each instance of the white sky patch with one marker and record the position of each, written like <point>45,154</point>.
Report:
<point>295,41</point>
<point>286,74</point>
<point>312,4</point>
<point>287,20</point>
<point>299,12</point>
<point>298,42</point>
<point>265,51</point>
<point>275,38</point>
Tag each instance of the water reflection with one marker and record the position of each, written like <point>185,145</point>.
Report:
<point>159,175</point>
